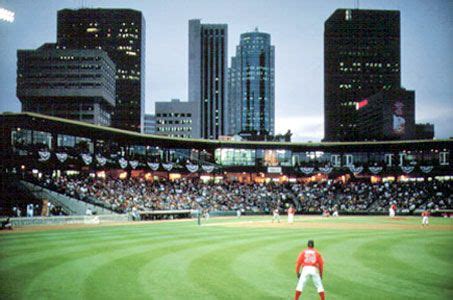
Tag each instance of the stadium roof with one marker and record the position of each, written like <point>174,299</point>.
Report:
<point>52,124</point>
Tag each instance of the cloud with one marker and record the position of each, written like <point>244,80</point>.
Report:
<point>304,128</point>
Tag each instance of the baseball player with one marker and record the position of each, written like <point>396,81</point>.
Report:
<point>312,267</point>
<point>392,210</point>
<point>425,218</point>
<point>291,212</point>
<point>206,214</point>
<point>335,212</point>
<point>276,216</point>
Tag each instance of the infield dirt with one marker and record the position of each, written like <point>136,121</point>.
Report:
<point>307,222</point>
<point>319,223</point>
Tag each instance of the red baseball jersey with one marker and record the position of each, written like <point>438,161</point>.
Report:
<point>310,257</point>
<point>291,211</point>
<point>425,214</point>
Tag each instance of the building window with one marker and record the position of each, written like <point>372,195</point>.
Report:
<point>348,15</point>
<point>349,160</point>
<point>388,159</point>
<point>335,160</point>
<point>443,158</point>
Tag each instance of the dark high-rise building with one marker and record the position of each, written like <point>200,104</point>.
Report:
<point>424,131</point>
<point>121,33</point>
<point>234,97</point>
<point>76,84</point>
<point>361,58</point>
<point>387,115</point>
<point>251,82</point>
<point>208,54</point>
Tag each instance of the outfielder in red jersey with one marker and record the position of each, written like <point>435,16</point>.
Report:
<point>425,218</point>
<point>291,212</point>
<point>312,267</point>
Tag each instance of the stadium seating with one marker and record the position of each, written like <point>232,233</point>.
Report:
<point>313,197</point>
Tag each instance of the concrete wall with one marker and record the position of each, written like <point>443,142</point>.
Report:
<point>69,205</point>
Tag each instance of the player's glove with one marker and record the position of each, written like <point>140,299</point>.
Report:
<point>298,275</point>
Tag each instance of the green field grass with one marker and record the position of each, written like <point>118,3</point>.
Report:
<point>180,260</point>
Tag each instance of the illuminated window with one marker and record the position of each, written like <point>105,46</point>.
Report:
<point>443,158</point>
<point>348,15</point>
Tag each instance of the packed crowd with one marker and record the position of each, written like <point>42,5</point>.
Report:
<point>364,196</point>
<point>124,195</point>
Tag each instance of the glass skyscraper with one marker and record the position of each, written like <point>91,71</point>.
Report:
<point>121,33</point>
<point>252,86</point>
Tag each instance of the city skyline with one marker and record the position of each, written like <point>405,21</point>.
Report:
<point>297,33</point>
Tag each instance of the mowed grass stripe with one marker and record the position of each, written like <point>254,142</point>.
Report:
<point>170,277</point>
<point>74,268</point>
<point>384,279</point>
<point>82,238</point>
<point>441,251</point>
<point>58,256</point>
<point>345,277</point>
<point>274,263</point>
<point>41,263</point>
<point>218,278</point>
<point>127,269</point>
<point>20,239</point>
<point>40,243</point>
<point>435,250</point>
<point>78,269</point>
<point>44,250</point>
<point>406,277</point>
<point>132,265</point>
<point>180,260</point>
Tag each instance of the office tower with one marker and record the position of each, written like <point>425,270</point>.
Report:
<point>150,124</point>
<point>361,58</point>
<point>177,119</point>
<point>234,97</point>
<point>121,33</point>
<point>251,86</point>
<point>424,131</point>
<point>77,84</point>
<point>387,115</point>
<point>208,53</point>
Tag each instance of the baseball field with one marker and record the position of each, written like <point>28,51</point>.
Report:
<point>229,258</point>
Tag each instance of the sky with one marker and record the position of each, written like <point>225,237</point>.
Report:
<point>296,28</point>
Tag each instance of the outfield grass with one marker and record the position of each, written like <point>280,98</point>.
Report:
<point>365,258</point>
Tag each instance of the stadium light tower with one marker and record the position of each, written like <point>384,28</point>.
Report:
<point>6,15</point>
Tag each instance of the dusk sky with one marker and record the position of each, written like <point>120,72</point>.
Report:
<point>296,29</point>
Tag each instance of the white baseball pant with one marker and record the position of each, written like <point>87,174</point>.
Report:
<point>307,273</point>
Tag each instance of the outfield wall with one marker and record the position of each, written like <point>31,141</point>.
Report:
<point>64,220</point>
